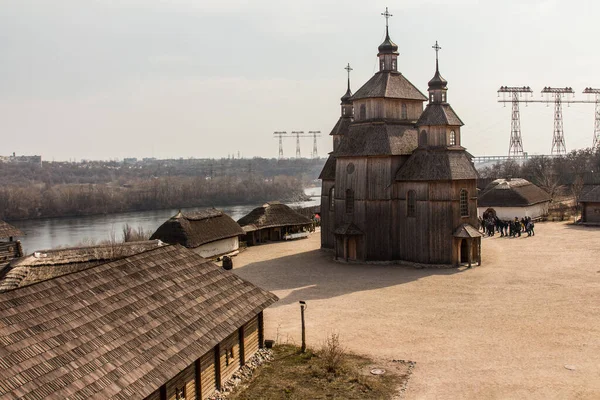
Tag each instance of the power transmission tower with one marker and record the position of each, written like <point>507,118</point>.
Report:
<point>315,153</point>
<point>297,133</point>
<point>515,148</point>
<point>596,93</point>
<point>558,139</point>
<point>280,135</point>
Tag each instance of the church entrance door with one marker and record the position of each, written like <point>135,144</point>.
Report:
<point>464,251</point>
<point>352,248</point>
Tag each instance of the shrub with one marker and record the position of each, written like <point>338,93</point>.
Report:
<point>332,353</point>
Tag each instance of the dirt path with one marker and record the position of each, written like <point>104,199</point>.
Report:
<point>503,330</point>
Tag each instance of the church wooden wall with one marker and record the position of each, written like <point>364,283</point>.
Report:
<point>378,108</point>
<point>327,217</point>
<point>440,135</point>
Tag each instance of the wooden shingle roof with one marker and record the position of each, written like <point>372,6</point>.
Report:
<point>439,114</point>
<point>273,214</point>
<point>437,164</point>
<point>467,231</point>
<point>328,171</point>
<point>389,84</point>
<point>512,193</point>
<point>341,126</point>
<point>195,229</point>
<point>121,329</point>
<point>590,194</point>
<point>48,264</point>
<point>7,230</point>
<point>377,139</point>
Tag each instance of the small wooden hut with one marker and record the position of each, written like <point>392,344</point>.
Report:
<point>274,221</point>
<point>9,249</point>
<point>510,198</point>
<point>47,264</point>
<point>163,324</point>
<point>590,204</point>
<point>210,233</point>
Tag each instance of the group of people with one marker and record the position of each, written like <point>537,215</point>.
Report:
<point>512,228</point>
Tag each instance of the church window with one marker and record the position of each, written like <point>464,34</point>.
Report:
<point>464,203</point>
<point>443,97</point>
<point>349,201</point>
<point>452,138</point>
<point>431,97</point>
<point>332,199</point>
<point>423,138</point>
<point>363,111</point>
<point>394,64</point>
<point>343,111</point>
<point>411,203</point>
<point>382,66</point>
<point>404,111</point>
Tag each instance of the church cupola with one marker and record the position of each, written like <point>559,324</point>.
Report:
<point>347,108</point>
<point>438,90</point>
<point>388,50</point>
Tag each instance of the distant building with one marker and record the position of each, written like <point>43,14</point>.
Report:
<point>47,264</point>
<point>590,204</point>
<point>399,185</point>
<point>274,221</point>
<point>130,160</point>
<point>14,159</point>
<point>163,324</point>
<point>510,198</point>
<point>210,233</point>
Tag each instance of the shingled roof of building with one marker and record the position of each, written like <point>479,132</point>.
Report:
<point>7,230</point>
<point>48,264</point>
<point>389,84</point>
<point>198,228</point>
<point>590,194</point>
<point>512,193</point>
<point>122,329</point>
<point>437,164</point>
<point>341,126</point>
<point>376,139</point>
<point>439,114</point>
<point>328,171</point>
<point>273,214</point>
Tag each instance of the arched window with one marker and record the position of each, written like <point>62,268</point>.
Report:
<point>464,203</point>
<point>363,111</point>
<point>332,198</point>
<point>404,111</point>
<point>411,203</point>
<point>423,138</point>
<point>443,97</point>
<point>382,66</point>
<point>394,65</point>
<point>452,138</point>
<point>349,200</point>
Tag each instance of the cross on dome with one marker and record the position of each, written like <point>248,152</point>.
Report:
<point>387,15</point>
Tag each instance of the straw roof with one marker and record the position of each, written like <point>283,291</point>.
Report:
<point>7,230</point>
<point>437,164</point>
<point>512,193</point>
<point>273,215</point>
<point>328,171</point>
<point>198,228</point>
<point>591,194</point>
<point>377,139</point>
<point>389,84</point>
<point>122,329</point>
<point>48,264</point>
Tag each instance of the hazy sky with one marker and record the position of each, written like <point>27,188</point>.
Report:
<point>106,79</point>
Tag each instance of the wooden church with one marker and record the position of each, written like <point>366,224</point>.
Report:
<point>398,185</point>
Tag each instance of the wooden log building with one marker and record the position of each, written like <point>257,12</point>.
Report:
<point>273,221</point>
<point>590,204</point>
<point>398,185</point>
<point>163,324</point>
<point>9,248</point>
<point>210,233</point>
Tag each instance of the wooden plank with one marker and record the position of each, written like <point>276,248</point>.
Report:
<point>208,376</point>
<point>251,338</point>
<point>186,381</point>
<point>229,356</point>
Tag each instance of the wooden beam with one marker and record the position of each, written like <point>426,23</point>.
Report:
<point>198,368</point>
<point>163,392</point>
<point>218,366</point>
<point>242,342</point>
<point>261,333</point>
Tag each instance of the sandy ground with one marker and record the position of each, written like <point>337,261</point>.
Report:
<point>505,330</point>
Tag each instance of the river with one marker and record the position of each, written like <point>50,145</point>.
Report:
<point>43,234</point>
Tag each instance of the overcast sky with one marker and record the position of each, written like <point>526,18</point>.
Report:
<point>100,79</point>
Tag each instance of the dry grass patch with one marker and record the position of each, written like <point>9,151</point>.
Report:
<point>326,374</point>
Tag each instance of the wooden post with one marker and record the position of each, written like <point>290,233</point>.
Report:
<point>302,307</point>
<point>163,392</point>
<point>218,365</point>
<point>479,249</point>
<point>261,332</point>
<point>242,341</point>
<point>198,379</point>
<point>470,251</point>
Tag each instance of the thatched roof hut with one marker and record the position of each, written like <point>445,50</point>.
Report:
<point>9,231</point>
<point>124,329</point>
<point>272,221</point>
<point>195,229</point>
<point>47,264</point>
<point>514,198</point>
